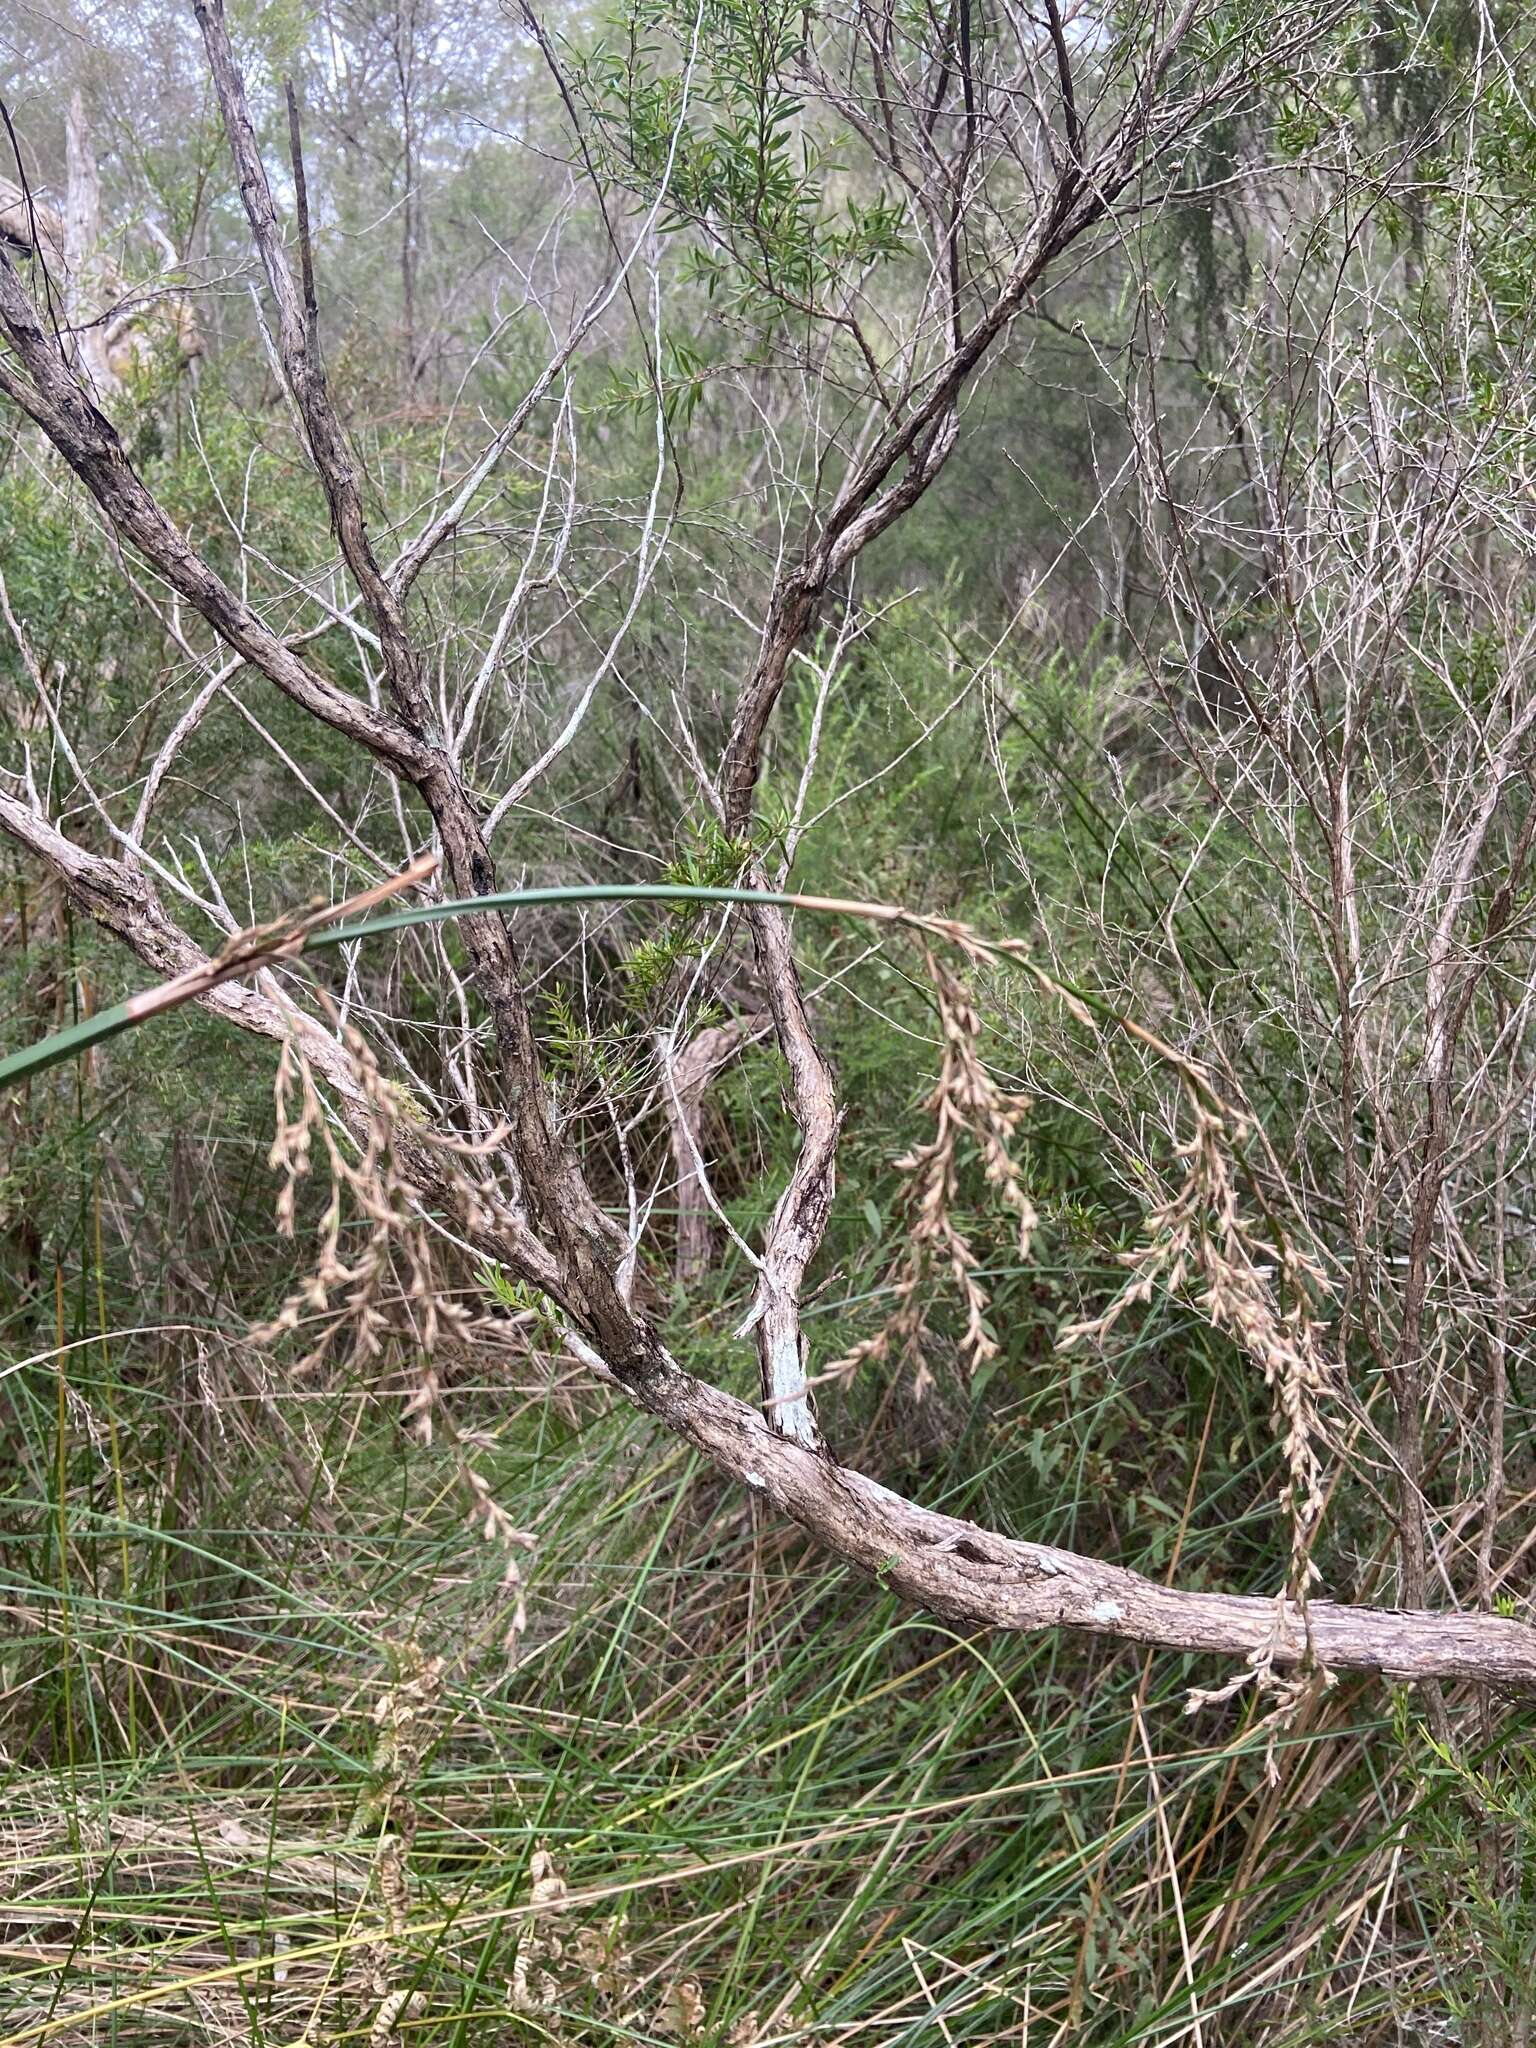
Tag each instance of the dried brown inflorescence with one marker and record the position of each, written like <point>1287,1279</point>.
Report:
<point>396,1271</point>
<point>1256,1287</point>
<point>586,1964</point>
<point>971,1113</point>
<point>371,1180</point>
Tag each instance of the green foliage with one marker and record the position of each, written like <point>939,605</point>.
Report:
<point>693,108</point>
<point>229,1646</point>
<point>1474,1811</point>
<point>684,379</point>
<point>710,860</point>
<point>519,1299</point>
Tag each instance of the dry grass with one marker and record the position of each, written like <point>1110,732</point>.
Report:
<point>272,1777</point>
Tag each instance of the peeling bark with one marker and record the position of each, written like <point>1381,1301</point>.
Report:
<point>689,1074</point>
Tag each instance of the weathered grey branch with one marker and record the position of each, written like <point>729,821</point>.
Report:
<point>687,1076</point>
<point>976,1577</point>
<point>897,471</point>
<point>949,1567</point>
<point>52,397</point>
<point>303,367</point>
<point>799,1218</point>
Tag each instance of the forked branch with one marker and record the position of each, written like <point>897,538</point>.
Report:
<point>948,1566</point>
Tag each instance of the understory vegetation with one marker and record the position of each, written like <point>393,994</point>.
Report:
<point>1066,478</point>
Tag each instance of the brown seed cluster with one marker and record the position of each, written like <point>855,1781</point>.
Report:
<point>971,1115</point>
<point>1258,1290</point>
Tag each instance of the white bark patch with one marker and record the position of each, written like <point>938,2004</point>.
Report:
<point>1107,1611</point>
<point>789,1406</point>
